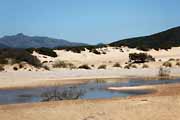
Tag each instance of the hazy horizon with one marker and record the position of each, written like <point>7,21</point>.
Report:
<point>88,21</point>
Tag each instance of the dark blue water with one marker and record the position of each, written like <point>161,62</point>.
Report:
<point>90,90</point>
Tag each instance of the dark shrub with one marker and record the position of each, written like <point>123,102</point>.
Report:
<point>102,67</point>
<point>167,64</point>
<point>1,68</point>
<point>145,66</point>
<point>164,72</point>
<point>15,68</point>
<point>59,64</point>
<point>178,64</point>
<point>127,66</point>
<point>95,51</point>
<point>46,51</point>
<point>140,57</point>
<point>116,65</point>
<point>17,56</point>
<point>46,67</point>
<point>71,66</point>
<point>84,67</point>
<point>21,66</point>
<point>171,59</point>
<point>133,66</point>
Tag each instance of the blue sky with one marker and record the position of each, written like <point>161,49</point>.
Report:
<point>90,21</point>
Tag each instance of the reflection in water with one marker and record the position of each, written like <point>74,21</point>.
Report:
<point>68,93</point>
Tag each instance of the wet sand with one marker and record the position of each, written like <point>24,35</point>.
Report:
<point>24,79</point>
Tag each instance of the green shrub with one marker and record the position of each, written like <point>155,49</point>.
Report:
<point>167,64</point>
<point>85,66</point>
<point>116,65</point>
<point>102,67</point>
<point>140,57</point>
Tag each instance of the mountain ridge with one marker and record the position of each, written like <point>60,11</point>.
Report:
<point>23,41</point>
<point>162,40</point>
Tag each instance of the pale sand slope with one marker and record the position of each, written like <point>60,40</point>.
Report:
<point>159,106</point>
<point>112,56</point>
<point>41,78</point>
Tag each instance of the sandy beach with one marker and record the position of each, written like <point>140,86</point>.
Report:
<point>162,104</point>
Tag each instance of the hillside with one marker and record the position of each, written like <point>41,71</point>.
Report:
<point>3,46</point>
<point>163,40</point>
<point>23,41</point>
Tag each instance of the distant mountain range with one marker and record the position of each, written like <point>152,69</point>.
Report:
<point>23,41</point>
<point>163,40</point>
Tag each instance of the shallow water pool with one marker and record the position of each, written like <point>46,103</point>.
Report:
<point>91,90</point>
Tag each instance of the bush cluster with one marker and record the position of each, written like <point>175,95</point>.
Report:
<point>145,66</point>
<point>79,49</point>
<point>102,67</point>
<point>18,56</point>
<point>1,68</point>
<point>85,66</point>
<point>167,64</point>
<point>63,64</point>
<point>140,57</point>
<point>116,65</point>
<point>43,51</point>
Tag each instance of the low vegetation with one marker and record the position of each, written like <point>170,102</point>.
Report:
<point>164,72</point>
<point>127,66</point>
<point>43,51</point>
<point>85,66</point>
<point>178,64</point>
<point>15,68</point>
<point>13,56</point>
<point>59,64</point>
<point>63,64</point>
<point>145,66</point>
<point>167,64</point>
<point>140,57</point>
<point>133,66</point>
<point>1,68</point>
<point>170,38</point>
<point>171,59</point>
<point>79,49</point>
<point>46,67</point>
<point>102,67</point>
<point>117,65</point>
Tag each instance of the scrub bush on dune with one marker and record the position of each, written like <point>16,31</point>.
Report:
<point>140,58</point>
<point>116,65</point>
<point>84,67</point>
<point>102,67</point>
<point>18,56</point>
<point>1,68</point>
